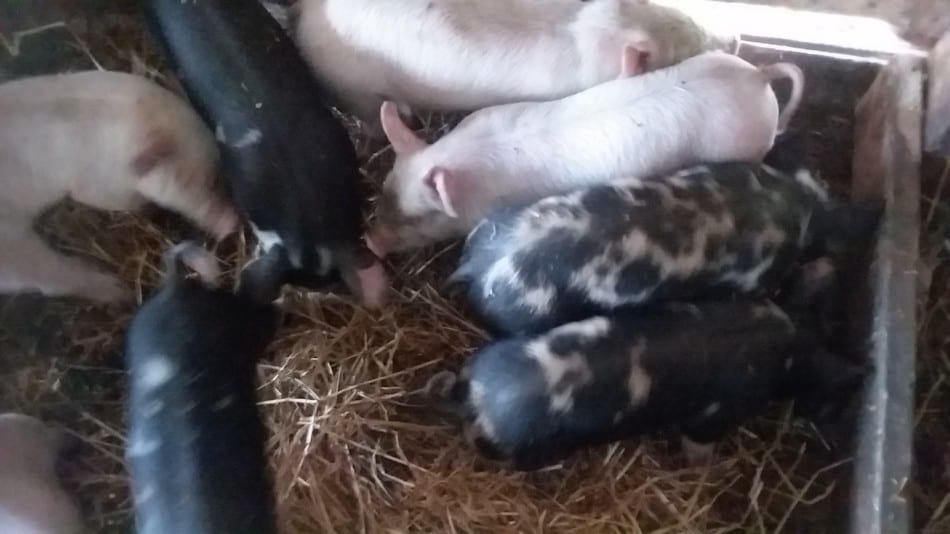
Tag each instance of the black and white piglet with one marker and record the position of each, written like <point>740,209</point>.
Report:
<point>291,167</point>
<point>703,232</point>
<point>196,440</point>
<point>700,369</point>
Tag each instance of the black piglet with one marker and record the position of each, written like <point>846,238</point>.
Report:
<point>196,439</point>
<point>290,164</point>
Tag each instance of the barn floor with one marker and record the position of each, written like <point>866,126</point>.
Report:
<point>352,450</point>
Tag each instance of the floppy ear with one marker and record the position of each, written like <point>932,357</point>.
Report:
<point>633,60</point>
<point>403,139</point>
<point>445,189</point>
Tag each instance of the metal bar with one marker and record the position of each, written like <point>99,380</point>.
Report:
<point>886,166</point>
<point>937,127</point>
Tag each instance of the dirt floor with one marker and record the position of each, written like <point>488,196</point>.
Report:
<point>379,461</point>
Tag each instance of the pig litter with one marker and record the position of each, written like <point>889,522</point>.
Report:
<point>352,448</point>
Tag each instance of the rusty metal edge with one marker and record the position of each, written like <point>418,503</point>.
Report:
<point>888,167</point>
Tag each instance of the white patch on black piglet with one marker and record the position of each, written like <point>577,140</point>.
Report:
<point>712,409</point>
<point>563,375</point>
<point>153,408</point>
<point>697,453</point>
<point>805,178</point>
<point>144,494</point>
<point>325,258</point>
<point>251,137</point>
<point>589,329</point>
<point>222,403</point>
<point>552,215</point>
<point>803,229</point>
<point>748,280</point>
<point>141,445</point>
<point>266,239</point>
<point>638,382</point>
<point>502,271</point>
<point>482,427</point>
<point>155,372</point>
<point>766,244</point>
<point>538,299</point>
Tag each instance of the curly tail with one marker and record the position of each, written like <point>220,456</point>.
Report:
<point>797,77</point>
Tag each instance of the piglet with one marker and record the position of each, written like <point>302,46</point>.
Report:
<point>699,369</point>
<point>106,139</point>
<point>711,108</point>
<point>196,439</point>
<point>32,501</point>
<point>703,232</point>
<point>460,55</point>
<point>291,166</point>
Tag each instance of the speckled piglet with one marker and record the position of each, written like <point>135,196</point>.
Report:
<point>704,232</point>
<point>698,369</point>
<point>32,501</point>
<point>291,166</point>
<point>109,140</point>
<point>196,440</point>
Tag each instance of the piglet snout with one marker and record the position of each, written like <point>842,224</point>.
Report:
<point>228,223</point>
<point>366,278</point>
<point>373,285</point>
<point>378,241</point>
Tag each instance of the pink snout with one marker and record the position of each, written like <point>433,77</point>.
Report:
<point>379,241</point>
<point>226,224</point>
<point>373,285</point>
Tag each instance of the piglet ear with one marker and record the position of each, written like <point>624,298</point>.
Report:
<point>445,189</point>
<point>634,59</point>
<point>403,139</point>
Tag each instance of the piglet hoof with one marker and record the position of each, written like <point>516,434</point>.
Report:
<point>698,454</point>
<point>439,388</point>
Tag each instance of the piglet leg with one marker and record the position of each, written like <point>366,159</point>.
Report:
<point>184,184</point>
<point>29,264</point>
<point>206,207</point>
<point>698,454</point>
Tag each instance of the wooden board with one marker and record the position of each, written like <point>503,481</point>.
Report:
<point>886,166</point>
<point>937,129</point>
<point>845,34</point>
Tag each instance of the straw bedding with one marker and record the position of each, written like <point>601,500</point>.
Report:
<point>353,449</point>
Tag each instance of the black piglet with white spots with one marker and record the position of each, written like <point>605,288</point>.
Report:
<point>700,369</point>
<point>196,440</point>
<point>701,233</point>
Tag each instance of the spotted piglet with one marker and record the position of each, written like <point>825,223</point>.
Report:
<point>703,232</point>
<point>31,498</point>
<point>700,369</point>
<point>196,441</point>
<point>110,140</point>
